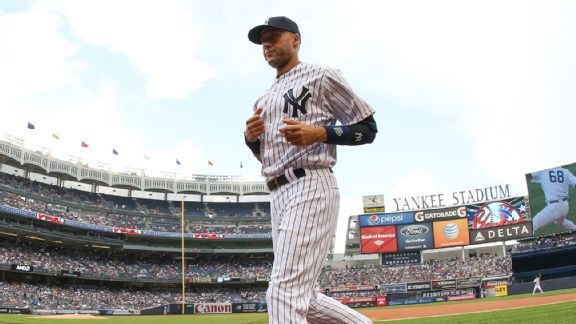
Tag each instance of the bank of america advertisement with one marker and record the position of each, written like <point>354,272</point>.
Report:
<point>451,233</point>
<point>378,239</point>
<point>415,237</point>
<point>384,219</point>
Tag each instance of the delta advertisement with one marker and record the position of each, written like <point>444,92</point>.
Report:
<point>378,239</point>
<point>382,219</point>
<point>451,233</point>
<point>415,237</point>
<point>502,233</point>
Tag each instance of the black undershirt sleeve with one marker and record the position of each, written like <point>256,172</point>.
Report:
<point>363,132</point>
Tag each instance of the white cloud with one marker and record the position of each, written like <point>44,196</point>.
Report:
<point>35,58</point>
<point>160,41</point>
<point>502,69</point>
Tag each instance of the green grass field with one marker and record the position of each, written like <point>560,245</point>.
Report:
<point>537,202</point>
<point>555,313</point>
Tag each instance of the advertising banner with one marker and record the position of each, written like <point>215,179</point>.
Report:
<point>381,301</point>
<point>212,308</point>
<point>378,239</point>
<point>417,286</point>
<point>491,283</point>
<point>440,214</point>
<point>468,282</point>
<point>352,288</point>
<point>22,267</point>
<point>52,219</point>
<point>130,231</point>
<point>446,293</point>
<point>68,273</point>
<point>451,233</point>
<point>499,213</point>
<point>501,290</point>
<point>393,288</point>
<point>502,233</point>
<point>381,219</point>
<point>245,307</point>
<point>400,258</point>
<point>415,237</point>
<point>444,284</point>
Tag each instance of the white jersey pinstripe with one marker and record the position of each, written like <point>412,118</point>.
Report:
<point>305,211</point>
<point>555,184</point>
<point>331,100</point>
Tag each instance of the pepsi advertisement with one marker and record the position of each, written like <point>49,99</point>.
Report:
<point>381,219</point>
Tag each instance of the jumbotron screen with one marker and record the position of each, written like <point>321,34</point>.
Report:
<point>552,197</point>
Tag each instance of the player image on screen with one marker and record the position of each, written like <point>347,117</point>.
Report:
<point>555,184</point>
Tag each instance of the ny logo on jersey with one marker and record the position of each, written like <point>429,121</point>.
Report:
<point>297,103</point>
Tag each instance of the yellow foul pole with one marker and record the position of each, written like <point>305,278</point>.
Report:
<point>183,262</point>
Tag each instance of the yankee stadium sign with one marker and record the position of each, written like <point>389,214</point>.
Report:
<point>456,198</point>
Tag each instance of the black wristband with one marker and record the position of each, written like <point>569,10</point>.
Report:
<point>360,133</point>
<point>253,146</point>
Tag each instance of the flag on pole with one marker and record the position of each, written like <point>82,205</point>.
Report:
<point>241,166</point>
<point>210,163</point>
<point>84,145</point>
<point>55,136</point>
<point>178,162</point>
<point>114,152</point>
<point>31,126</point>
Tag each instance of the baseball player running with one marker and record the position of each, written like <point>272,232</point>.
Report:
<point>556,184</point>
<point>293,132</point>
<point>537,284</point>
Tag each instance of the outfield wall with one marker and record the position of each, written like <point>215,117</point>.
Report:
<point>547,285</point>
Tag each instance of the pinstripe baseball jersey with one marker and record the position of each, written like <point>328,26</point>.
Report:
<point>314,95</point>
<point>555,182</point>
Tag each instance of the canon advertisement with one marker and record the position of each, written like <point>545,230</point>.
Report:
<point>382,219</point>
<point>415,237</point>
<point>212,308</point>
<point>503,233</point>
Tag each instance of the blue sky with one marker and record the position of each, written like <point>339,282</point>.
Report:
<point>468,94</point>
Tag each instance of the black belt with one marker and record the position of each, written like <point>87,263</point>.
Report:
<point>557,201</point>
<point>275,183</point>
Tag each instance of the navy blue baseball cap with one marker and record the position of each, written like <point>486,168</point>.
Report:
<point>281,22</point>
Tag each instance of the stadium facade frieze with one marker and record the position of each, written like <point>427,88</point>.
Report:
<point>456,198</point>
<point>202,184</point>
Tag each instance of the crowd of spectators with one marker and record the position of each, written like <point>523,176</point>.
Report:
<point>153,267</point>
<point>474,266</point>
<point>547,242</point>
<point>43,296</point>
<point>165,267</point>
<point>118,219</point>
